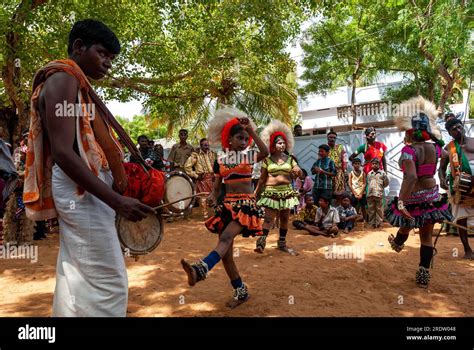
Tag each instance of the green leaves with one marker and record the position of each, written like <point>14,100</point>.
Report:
<point>427,41</point>
<point>176,55</point>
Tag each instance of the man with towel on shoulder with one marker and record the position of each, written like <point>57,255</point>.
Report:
<point>74,172</point>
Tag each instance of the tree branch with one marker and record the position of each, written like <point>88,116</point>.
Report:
<point>178,77</point>
<point>130,85</point>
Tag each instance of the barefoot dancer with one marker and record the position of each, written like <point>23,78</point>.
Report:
<point>278,196</point>
<point>419,204</point>
<point>239,213</point>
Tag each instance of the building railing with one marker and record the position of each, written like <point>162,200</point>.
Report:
<point>364,109</point>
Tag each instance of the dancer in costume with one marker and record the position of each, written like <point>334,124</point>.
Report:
<point>419,204</point>
<point>278,169</point>
<point>239,212</point>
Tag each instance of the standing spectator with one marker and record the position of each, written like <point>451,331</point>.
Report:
<point>148,154</point>
<point>18,229</point>
<point>377,180</point>
<point>200,167</point>
<point>325,170</point>
<point>159,151</point>
<point>357,184</point>
<point>304,185</point>
<point>256,172</point>
<point>297,130</point>
<point>338,155</point>
<point>371,149</point>
<point>8,176</point>
<point>180,152</point>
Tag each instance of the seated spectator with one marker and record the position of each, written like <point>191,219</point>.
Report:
<point>308,213</point>
<point>347,214</point>
<point>326,221</point>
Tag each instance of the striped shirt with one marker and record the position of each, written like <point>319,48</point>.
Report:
<point>323,181</point>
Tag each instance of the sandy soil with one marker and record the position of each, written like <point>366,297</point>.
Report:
<point>380,284</point>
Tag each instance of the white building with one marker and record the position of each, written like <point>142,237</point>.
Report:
<point>322,112</point>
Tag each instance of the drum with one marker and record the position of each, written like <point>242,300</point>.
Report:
<point>141,237</point>
<point>178,185</point>
<point>463,189</point>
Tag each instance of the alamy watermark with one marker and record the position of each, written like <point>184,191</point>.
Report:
<point>27,252</point>
<point>345,253</point>
<point>229,157</point>
<point>67,109</point>
<point>37,333</point>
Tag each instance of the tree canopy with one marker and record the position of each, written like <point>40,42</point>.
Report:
<point>181,57</point>
<point>429,42</point>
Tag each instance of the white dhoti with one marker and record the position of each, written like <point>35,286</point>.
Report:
<point>91,277</point>
<point>461,211</point>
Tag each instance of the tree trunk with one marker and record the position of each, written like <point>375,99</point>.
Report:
<point>353,107</point>
<point>431,90</point>
<point>355,75</point>
<point>11,70</point>
<point>447,90</point>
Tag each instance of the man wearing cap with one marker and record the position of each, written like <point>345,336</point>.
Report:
<point>461,159</point>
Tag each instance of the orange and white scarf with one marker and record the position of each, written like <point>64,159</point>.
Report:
<point>97,147</point>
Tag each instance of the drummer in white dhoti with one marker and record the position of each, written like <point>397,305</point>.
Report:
<point>461,160</point>
<point>71,165</point>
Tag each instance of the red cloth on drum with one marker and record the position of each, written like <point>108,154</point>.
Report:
<point>240,207</point>
<point>148,188</point>
<point>206,184</point>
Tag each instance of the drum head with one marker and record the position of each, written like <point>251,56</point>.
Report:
<point>178,185</point>
<point>141,237</point>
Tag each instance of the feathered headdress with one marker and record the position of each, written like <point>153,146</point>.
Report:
<point>273,130</point>
<point>419,116</point>
<point>219,127</point>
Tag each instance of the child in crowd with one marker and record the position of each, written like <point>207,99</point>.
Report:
<point>377,180</point>
<point>347,214</point>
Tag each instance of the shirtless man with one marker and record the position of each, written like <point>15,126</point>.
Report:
<point>73,180</point>
<point>464,148</point>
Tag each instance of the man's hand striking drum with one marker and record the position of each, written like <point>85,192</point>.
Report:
<point>131,209</point>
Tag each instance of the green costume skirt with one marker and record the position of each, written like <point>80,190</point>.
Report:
<point>279,197</point>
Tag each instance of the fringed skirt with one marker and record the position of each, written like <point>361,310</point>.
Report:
<point>279,197</point>
<point>240,207</point>
<point>426,206</point>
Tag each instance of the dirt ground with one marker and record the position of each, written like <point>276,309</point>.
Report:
<point>378,282</point>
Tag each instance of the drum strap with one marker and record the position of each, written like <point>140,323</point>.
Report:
<point>121,133</point>
<point>458,165</point>
<point>454,159</point>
